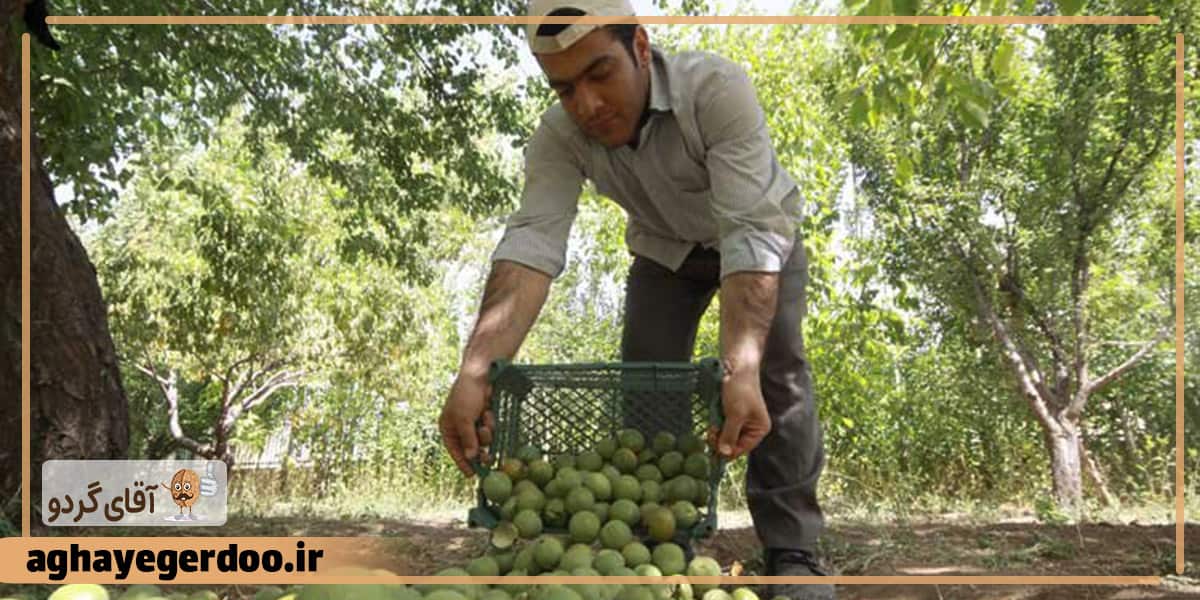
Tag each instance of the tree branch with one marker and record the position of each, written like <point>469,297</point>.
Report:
<point>1116,156</point>
<point>276,382</point>
<point>233,367</point>
<point>1031,364</point>
<point>1129,363</point>
<point>1077,150</point>
<point>1080,280</point>
<point>1025,378</point>
<point>1144,160</point>
<point>149,371</point>
<point>253,375</point>
<point>171,390</point>
<point>1057,348</point>
<point>242,382</point>
<point>1158,141</point>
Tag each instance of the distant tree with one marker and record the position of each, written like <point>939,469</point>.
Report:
<point>411,99</point>
<point>1012,176</point>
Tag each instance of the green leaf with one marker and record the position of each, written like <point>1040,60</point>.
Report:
<point>846,96</point>
<point>858,110</point>
<point>1070,7</point>
<point>904,170</point>
<point>973,114</point>
<point>884,103</point>
<point>970,89</point>
<point>900,36</point>
<point>983,92</point>
<point>1002,59</point>
<point>874,8</point>
<point>906,7</point>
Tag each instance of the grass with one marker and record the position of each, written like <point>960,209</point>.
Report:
<point>265,495</point>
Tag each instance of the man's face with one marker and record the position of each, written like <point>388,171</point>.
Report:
<point>600,86</point>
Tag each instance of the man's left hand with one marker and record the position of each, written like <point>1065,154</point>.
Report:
<point>746,419</point>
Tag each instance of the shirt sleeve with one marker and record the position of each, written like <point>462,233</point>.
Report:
<point>536,234</point>
<point>749,188</point>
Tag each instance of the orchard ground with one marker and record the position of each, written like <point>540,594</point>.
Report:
<point>1004,542</point>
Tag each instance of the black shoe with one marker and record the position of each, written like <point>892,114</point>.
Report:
<point>795,563</point>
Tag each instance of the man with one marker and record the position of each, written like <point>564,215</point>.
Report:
<point>680,142</point>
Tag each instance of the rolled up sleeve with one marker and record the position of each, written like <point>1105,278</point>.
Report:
<point>536,234</point>
<point>749,188</point>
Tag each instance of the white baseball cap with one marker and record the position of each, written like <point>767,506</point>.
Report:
<point>549,44</point>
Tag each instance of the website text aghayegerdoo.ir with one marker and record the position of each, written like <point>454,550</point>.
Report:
<point>168,563</point>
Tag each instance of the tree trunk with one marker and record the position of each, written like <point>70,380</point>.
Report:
<point>10,264</point>
<point>78,405</point>
<point>221,432</point>
<point>1066,466</point>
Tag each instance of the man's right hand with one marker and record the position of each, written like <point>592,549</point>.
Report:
<point>468,401</point>
<point>512,298</point>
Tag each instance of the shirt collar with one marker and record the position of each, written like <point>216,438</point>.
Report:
<point>660,87</point>
<point>660,96</point>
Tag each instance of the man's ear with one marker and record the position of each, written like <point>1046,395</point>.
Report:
<point>641,46</point>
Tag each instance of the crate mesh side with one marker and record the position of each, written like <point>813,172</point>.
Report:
<point>563,410</point>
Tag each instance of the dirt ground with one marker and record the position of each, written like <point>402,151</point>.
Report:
<point>932,547</point>
<point>1012,548</point>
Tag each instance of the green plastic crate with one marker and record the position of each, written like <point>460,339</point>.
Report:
<point>568,408</point>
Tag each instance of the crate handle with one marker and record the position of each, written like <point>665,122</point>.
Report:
<point>481,470</point>
<point>711,377</point>
<point>709,384</point>
<point>497,367</point>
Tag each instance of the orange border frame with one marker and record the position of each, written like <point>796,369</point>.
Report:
<point>26,542</point>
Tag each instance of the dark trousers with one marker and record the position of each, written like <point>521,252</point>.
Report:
<point>662,313</point>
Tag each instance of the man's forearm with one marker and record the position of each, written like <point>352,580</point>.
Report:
<point>512,299</point>
<point>747,308</point>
